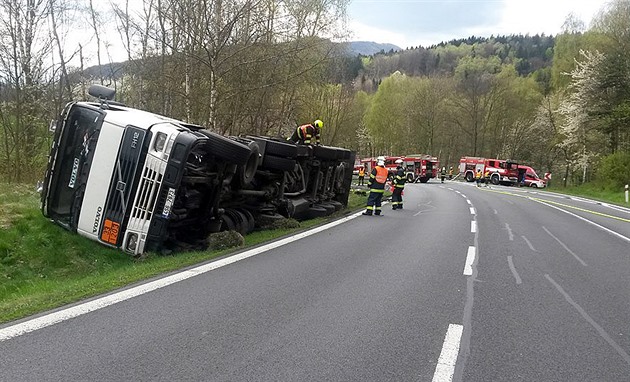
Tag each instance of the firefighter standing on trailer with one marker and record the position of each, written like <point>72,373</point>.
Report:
<point>376,183</point>
<point>399,186</point>
<point>304,134</point>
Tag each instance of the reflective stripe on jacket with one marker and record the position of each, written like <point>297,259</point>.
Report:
<point>378,177</point>
<point>400,178</point>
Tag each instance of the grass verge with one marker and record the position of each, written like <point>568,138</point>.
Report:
<point>595,192</point>
<point>42,266</point>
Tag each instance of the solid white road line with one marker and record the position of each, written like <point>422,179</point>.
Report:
<point>473,226</point>
<point>610,231</point>
<point>99,303</point>
<point>448,357</point>
<point>470,259</point>
<point>565,247</point>
<point>513,269</point>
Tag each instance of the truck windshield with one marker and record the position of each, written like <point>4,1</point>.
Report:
<point>75,151</point>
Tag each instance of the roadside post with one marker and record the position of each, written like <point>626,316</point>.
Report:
<point>626,193</point>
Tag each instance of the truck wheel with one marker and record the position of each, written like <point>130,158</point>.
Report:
<point>410,178</point>
<point>317,212</point>
<point>226,148</point>
<point>495,180</point>
<point>276,163</point>
<point>247,171</point>
<point>326,153</point>
<point>284,149</point>
<point>469,177</point>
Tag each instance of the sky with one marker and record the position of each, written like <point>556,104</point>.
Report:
<point>412,23</point>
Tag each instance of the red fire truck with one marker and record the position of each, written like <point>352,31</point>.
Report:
<point>501,171</point>
<point>418,167</point>
<point>421,167</point>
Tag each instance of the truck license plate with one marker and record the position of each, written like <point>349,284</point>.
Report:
<point>170,198</point>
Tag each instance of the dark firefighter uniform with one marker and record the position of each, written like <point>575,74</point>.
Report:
<point>399,185</point>
<point>304,134</point>
<point>376,183</point>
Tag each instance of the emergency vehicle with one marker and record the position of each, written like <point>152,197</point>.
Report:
<point>420,167</point>
<point>531,179</point>
<point>501,171</point>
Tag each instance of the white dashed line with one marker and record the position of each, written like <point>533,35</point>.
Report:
<point>473,226</point>
<point>472,210</point>
<point>448,357</point>
<point>470,259</point>
<point>565,247</point>
<point>513,269</point>
<point>529,244</point>
<point>510,235</point>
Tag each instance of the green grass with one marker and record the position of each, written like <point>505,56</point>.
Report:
<point>43,266</point>
<point>593,191</point>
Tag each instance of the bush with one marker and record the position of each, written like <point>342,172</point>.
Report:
<point>614,171</point>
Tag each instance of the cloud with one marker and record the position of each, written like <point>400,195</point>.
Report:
<point>426,22</point>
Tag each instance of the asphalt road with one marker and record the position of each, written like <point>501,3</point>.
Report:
<point>464,284</point>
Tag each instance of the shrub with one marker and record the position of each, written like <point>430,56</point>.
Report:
<point>614,171</point>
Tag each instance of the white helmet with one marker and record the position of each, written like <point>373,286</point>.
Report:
<point>380,161</point>
<point>398,161</point>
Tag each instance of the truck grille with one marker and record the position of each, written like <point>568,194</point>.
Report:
<point>147,195</point>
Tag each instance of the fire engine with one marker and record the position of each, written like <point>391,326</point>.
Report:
<point>421,167</point>
<point>418,167</point>
<point>501,171</point>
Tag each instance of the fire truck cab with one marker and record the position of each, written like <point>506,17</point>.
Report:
<point>501,171</point>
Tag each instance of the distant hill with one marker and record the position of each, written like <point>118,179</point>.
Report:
<point>368,48</point>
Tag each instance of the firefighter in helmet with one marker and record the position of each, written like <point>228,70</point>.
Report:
<point>399,185</point>
<point>304,134</point>
<point>376,183</point>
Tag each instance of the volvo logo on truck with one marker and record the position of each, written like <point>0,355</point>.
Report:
<point>97,219</point>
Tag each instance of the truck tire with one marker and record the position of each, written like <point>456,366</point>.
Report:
<point>317,212</point>
<point>281,149</point>
<point>494,179</point>
<point>247,171</point>
<point>469,177</point>
<point>277,163</point>
<point>226,148</point>
<point>325,153</point>
<point>410,178</point>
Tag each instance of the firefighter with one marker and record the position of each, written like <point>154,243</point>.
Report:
<point>443,174</point>
<point>486,178</point>
<point>478,176</point>
<point>361,175</point>
<point>304,134</point>
<point>376,183</point>
<point>399,186</point>
<point>450,173</point>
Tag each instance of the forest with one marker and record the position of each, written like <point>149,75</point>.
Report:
<point>560,104</point>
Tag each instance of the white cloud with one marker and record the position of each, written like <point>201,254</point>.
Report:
<point>518,17</point>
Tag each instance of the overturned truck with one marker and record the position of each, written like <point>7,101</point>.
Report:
<point>142,182</point>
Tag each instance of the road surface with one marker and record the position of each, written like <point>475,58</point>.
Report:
<point>463,284</point>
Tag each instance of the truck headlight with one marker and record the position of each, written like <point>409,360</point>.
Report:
<point>160,141</point>
<point>132,242</point>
